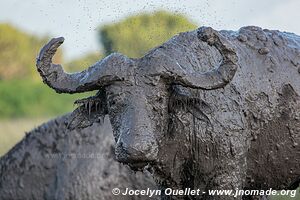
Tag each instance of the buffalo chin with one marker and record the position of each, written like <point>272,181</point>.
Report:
<point>137,166</point>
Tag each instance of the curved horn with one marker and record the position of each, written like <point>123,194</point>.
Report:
<point>112,68</point>
<point>213,79</point>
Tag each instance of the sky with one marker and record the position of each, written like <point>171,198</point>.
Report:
<point>78,20</point>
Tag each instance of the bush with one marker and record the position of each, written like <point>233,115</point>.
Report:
<point>27,98</point>
<point>136,35</point>
<point>18,51</point>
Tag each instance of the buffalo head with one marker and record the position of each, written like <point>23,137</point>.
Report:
<point>136,93</point>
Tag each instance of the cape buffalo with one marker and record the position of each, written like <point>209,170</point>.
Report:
<point>206,110</point>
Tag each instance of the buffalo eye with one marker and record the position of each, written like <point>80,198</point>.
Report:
<point>116,100</point>
<point>112,103</point>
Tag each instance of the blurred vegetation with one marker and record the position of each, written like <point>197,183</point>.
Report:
<point>136,35</point>
<point>18,51</point>
<point>83,62</point>
<point>25,101</point>
<point>21,98</point>
<point>22,93</point>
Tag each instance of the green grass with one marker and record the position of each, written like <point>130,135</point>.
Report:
<point>26,98</point>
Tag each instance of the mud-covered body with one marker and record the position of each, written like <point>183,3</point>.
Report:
<point>245,135</point>
<point>205,110</point>
<point>53,162</point>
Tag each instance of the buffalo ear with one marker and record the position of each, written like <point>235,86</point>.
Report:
<point>184,99</point>
<point>92,109</point>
